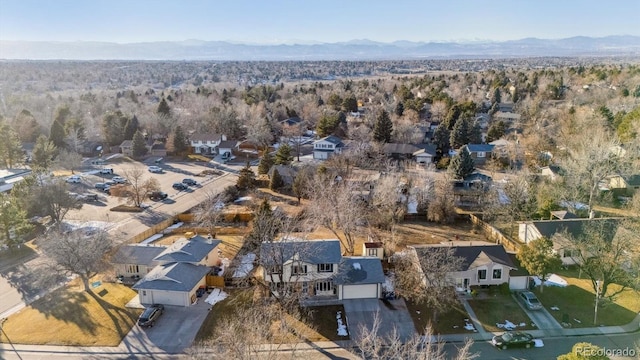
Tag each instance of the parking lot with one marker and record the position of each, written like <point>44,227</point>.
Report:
<point>177,201</point>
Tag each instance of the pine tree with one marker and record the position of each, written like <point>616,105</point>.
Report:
<point>460,134</point>
<point>383,127</point>
<point>10,146</point>
<point>139,145</point>
<point>57,134</point>
<point>43,153</point>
<point>276,181</point>
<point>130,129</point>
<point>180,144</point>
<point>283,155</point>
<point>462,164</point>
<point>246,178</point>
<point>163,108</point>
<point>12,219</point>
<point>441,137</point>
<point>399,108</point>
<point>265,163</point>
<point>350,103</point>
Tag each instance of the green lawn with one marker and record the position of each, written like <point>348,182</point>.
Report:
<point>498,308</point>
<point>323,321</point>
<point>449,322</point>
<point>577,300</point>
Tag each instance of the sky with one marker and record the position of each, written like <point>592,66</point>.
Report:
<point>307,21</point>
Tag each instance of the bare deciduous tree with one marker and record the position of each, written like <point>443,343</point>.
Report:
<point>209,213</point>
<point>69,160</point>
<point>139,187</point>
<point>78,252</point>
<point>441,207</point>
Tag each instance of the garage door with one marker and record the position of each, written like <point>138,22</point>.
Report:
<point>368,291</point>
<point>168,298</point>
<point>518,282</point>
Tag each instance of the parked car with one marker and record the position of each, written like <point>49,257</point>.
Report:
<point>100,186</point>
<point>179,186</point>
<point>189,182</point>
<point>106,171</point>
<point>89,197</point>
<point>119,179</point>
<point>150,315</point>
<point>158,195</point>
<point>530,300</point>
<point>74,179</point>
<point>110,182</point>
<point>513,339</point>
<point>155,169</point>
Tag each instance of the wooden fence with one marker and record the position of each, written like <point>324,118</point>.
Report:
<point>227,217</point>
<point>495,235</point>
<point>151,231</point>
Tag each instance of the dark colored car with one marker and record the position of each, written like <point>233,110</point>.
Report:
<point>513,339</point>
<point>189,182</point>
<point>100,186</point>
<point>158,195</point>
<point>179,186</point>
<point>150,315</point>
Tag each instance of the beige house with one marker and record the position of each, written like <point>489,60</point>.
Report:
<point>136,261</point>
<point>127,147</point>
<point>374,249</point>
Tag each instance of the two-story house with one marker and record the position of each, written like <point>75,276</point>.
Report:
<point>206,143</point>
<point>327,146</point>
<point>317,269</point>
<point>480,152</point>
<point>182,270</point>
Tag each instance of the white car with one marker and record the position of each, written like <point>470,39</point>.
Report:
<point>155,169</point>
<point>119,180</point>
<point>74,179</point>
<point>106,171</point>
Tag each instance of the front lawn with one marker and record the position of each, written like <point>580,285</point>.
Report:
<point>498,308</point>
<point>449,322</point>
<point>324,323</point>
<point>70,316</point>
<point>577,300</point>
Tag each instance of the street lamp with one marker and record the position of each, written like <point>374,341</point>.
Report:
<point>595,314</point>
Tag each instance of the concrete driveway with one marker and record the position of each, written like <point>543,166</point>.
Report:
<point>173,332</point>
<point>393,314</point>
<point>543,320</point>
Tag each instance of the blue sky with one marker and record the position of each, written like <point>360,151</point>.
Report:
<point>303,21</point>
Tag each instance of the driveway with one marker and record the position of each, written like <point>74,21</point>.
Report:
<point>543,320</point>
<point>173,332</point>
<point>393,314</point>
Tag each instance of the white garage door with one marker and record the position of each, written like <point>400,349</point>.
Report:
<point>168,298</point>
<point>368,291</point>
<point>518,282</point>
<point>320,155</point>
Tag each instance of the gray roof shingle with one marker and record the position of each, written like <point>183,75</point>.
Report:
<point>173,277</point>
<point>469,254</point>
<point>193,250</point>
<point>309,251</point>
<point>359,270</point>
<point>136,254</point>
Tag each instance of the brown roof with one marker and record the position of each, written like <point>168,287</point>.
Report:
<point>371,245</point>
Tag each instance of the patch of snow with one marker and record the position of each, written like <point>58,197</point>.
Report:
<point>224,266</point>
<point>554,308</point>
<point>357,266</point>
<point>243,198</point>
<point>552,280</point>
<point>246,265</point>
<point>469,326</point>
<point>151,239</point>
<point>412,205</point>
<point>216,296</point>
<point>172,227</point>
<point>388,283</point>
<point>574,204</point>
<point>508,325</point>
<point>342,328</point>
<point>538,343</point>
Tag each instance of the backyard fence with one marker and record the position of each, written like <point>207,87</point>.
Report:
<point>151,231</point>
<point>495,235</point>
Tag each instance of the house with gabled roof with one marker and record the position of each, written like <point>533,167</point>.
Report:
<point>480,152</point>
<point>135,261</point>
<point>482,265</point>
<point>182,270</point>
<point>326,147</point>
<point>206,143</point>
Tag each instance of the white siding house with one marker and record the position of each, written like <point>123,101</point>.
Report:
<point>206,144</point>
<point>327,146</point>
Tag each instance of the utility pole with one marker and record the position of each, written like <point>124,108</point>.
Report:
<point>595,314</point>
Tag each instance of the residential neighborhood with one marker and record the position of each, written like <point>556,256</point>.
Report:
<point>439,208</point>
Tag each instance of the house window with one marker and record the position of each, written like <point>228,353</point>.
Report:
<point>299,269</point>
<point>144,292</point>
<point>324,268</point>
<point>274,269</point>
<point>482,274</point>
<point>372,252</point>
<point>324,286</point>
<point>497,273</point>
<point>481,154</point>
<point>133,269</point>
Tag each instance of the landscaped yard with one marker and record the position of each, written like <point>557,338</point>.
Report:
<point>497,308</point>
<point>449,322</point>
<point>577,300</point>
<point>70,316</point>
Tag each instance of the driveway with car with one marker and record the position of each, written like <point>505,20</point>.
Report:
<point>543,320</point>
<point>392,313</point>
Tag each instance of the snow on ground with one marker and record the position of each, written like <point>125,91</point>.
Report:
<point>151,239</point>
<point>98,225</point>
<point>113,156</point>
<point>216,296</point>
<point>243,198</point>
<point>508,325</point>
<point>172,227</point>
<point>246,265</point>
<point>342,328</point>
<point>412,205</point>
<point>538,343</point>
<point>388,283</point>
<point>552,280</point>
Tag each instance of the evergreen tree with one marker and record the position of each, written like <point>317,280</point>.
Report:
<point>12,220</point>
<point>460,134</point>
<point>462,164</point>
<point>131,127</point>
<point>10,146</point>
<point>496,131</point>
<point>399,108</point>
<point>139,145</point>
<point>497,97</point>
<point>246,178</point>
<point>163,108</point>
<point>350,104</point>
<point>180,144</point>
<point>441,137</point>
<point>57,134</point>
<point>265,163</point>
<point>113,124</point>
<point>383,127</point>
<point>283,155</point>
<point>475,133</point>
<point>276,181</point>
<point>327,125</point>
<point>43,153</point>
